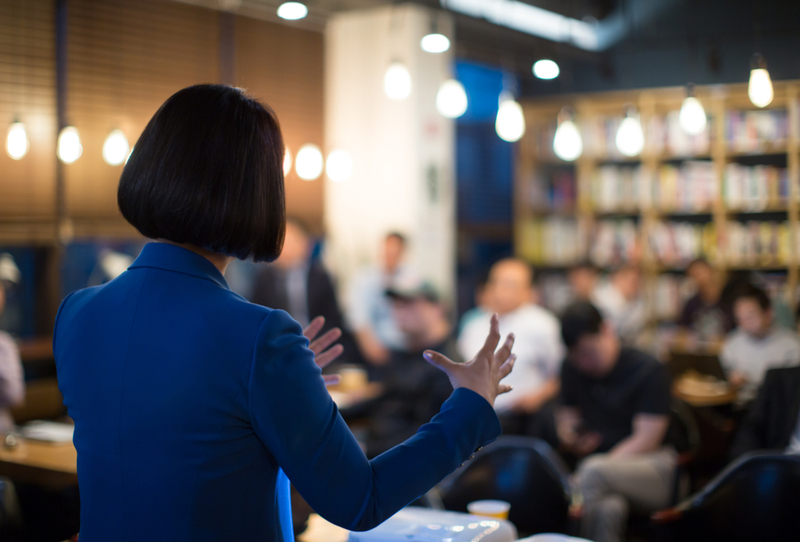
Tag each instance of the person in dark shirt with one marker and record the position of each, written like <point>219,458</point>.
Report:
<point>414,389</point>
<point>614,414</point>
<point>702,314</point>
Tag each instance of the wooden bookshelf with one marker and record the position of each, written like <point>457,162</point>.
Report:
<point>727,152</point>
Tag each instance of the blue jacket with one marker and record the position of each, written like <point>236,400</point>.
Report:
<point>191,403</point>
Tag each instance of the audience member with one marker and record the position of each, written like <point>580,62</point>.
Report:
<point>538,347</point>
<point>414,390</point>
<point>369,311</point>
<point>702,314</point>
<point>482,300</point>
<point>583,281</point>
<point>757,344</point>
<point>621,304</point>
<point>12,382</point>
<point>614,415</point>
<point>297,283</point>
<point>773,421</point>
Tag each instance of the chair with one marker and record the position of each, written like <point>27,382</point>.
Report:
<point>755,498</point>
<point>523,471</point>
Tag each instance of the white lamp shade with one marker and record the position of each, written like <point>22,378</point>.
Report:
<point>17,143</point>
<point>69,145</point>
<point>692,117</point>
<point>397,81</point>
<point>309,162</point>
<point>568,144</point>
<point>451,100</point>
<point>116,148</point>
<point>630,138</point>
<point>760,87</point>
<point>510,122</point>
<point>339,165</point>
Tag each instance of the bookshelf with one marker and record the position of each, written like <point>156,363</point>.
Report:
<point>730,194</point>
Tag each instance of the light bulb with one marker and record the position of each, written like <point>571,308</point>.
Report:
<point>760,87</point>
<point>630,138</point>
<point>292,11</point>
<point>451,100</point>
<point>339,165</point>
<point>287,161</point>
<point>510,122</point>
<point>17,144</point>
<point>397,81</point>
<point>692,117</point>
<point>69,145</point>
<point>568,144</point>
<point>308,163</point>
<point>116,148</point>
<point>435,43</point>
<point>545,69</point>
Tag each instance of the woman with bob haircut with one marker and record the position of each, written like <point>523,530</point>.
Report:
<point>194,408</point>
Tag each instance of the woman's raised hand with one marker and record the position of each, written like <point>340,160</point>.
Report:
<point>484,373</point>
<point>324,353</point>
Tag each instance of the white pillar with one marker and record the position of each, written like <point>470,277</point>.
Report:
<point>403,150</point>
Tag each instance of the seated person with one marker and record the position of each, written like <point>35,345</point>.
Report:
<point>702,314</point>
<point>538,348</point>
<point>621,304</point>
<point>582,281</point>
<point>414,390</point>
<point>12,381</point>
<point>757,344</point>
<point>614,414</point>
<point>773,421</point>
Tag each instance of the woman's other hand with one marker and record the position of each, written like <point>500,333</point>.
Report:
<point>484,373</point>
<point>324,353</point>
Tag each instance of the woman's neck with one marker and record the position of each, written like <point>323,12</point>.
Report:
<point>220,261</point>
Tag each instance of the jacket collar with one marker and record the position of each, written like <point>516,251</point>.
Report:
<point>180,260</point>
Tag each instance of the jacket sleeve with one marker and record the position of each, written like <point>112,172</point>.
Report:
<point>751,434</point>
<point>294,416</point>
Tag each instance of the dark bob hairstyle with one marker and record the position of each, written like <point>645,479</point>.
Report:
<point>208,171</point>
<point>578,319</point>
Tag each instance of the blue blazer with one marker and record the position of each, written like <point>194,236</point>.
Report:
<point>191,403</point>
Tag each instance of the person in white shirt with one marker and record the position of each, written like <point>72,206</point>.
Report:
<point>12,381</point>
<point>757,344</point>
<point>369,310</point>
<point>621,305</point>
<point>537,345</point>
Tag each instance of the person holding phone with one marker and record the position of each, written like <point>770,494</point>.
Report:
<point>193,408</point>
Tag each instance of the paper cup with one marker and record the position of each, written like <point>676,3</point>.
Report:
<point>489,508</point>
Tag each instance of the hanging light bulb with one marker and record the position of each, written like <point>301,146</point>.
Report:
<point>309,162</point>
<point>397,81</point>
<point>435,43</point>
<point>17,143</point>
<point>292,11</point>
<point>451,100</point>
<point>760,87</point>
<point>116,148</point>
<point>510,122</point>
<point>630,138</point>
<point>692,117</point>
<point>287,161</point>
<point>567,144</point>
<point>546,69</point>
<point>339,165</point>
<point>69,145</point>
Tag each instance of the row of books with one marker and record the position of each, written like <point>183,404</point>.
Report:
<point>757,244</point>
<point>754,188</point>
<point>552,241</point>
<point>555,191</point>
<point>754,131</point>
<point>676,244</point>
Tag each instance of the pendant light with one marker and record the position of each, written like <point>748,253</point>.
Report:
<point>451,99</point>
<point>397,81</point>
<point>116,148</point>
<point>567,143</point>
<point>692,117</point>
<point>760,87</point>
<point>630,138</point>
<point>510,121</point>
<point>17,144</point>
<point>69,145</point>
<point>309,162</point>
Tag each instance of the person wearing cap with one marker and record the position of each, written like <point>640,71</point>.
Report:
<point>12,382</point>
<point>526,409</point>
<point>413,388</point>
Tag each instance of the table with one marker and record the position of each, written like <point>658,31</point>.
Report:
<point>726,398</point>
<point>54,465</point>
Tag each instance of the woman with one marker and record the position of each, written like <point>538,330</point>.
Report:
<point>194,408</point>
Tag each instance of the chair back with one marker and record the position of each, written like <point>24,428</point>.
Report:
<point>756,498</point>
<point>523,471</point>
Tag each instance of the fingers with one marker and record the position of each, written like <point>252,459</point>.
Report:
<point>505,368</point>
<point>328,356</point>
<point>438,360</point>
<point>314,327</point>
<point>326,340</point>
<point>493,338</point>
<point>505,351</point>
<point>331,380</point>
<point>503,388</point>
